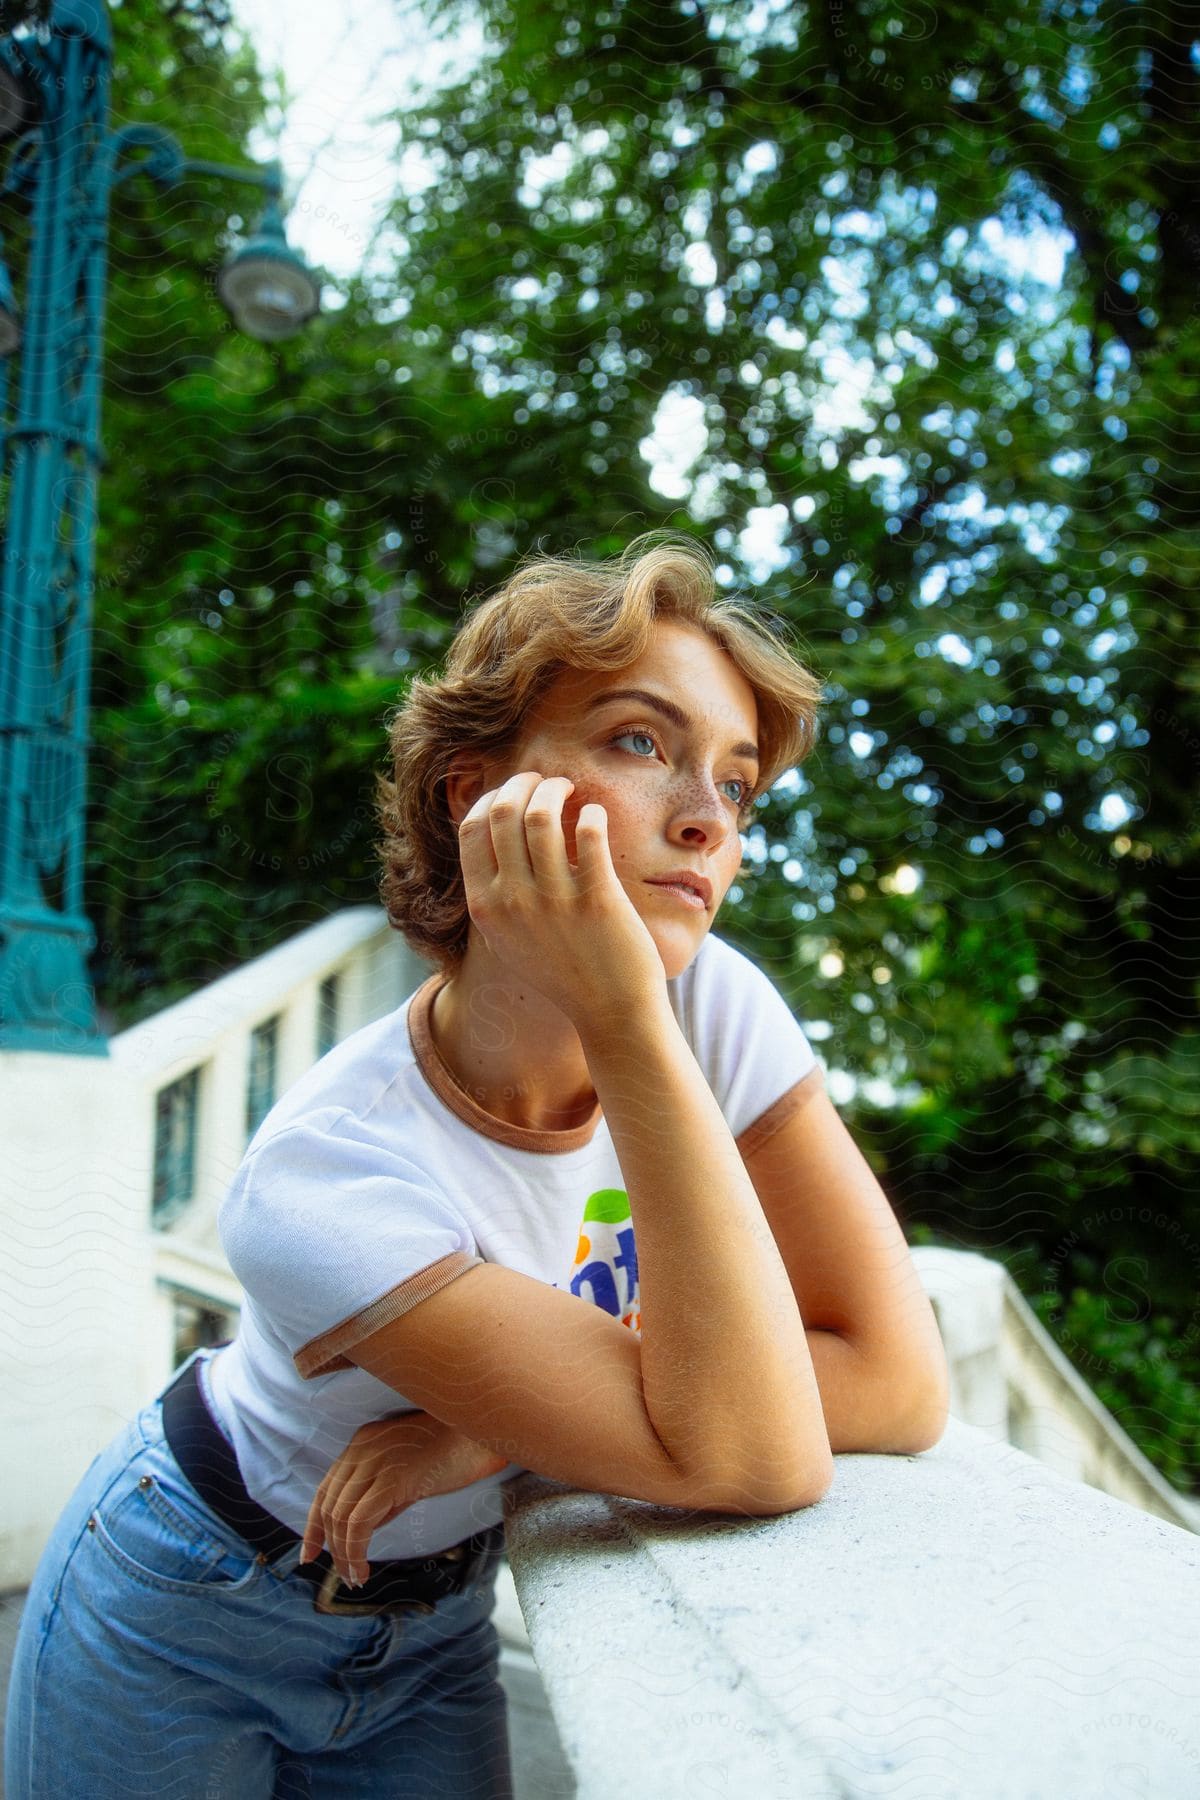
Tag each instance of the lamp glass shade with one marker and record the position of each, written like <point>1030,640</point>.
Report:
<point>269,296</point>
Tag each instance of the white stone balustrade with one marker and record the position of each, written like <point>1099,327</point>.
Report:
<point>1009,1378</point>
<point>961,1623</point>
<point>975,1621</point>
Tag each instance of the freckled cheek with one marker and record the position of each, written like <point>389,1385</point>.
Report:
<point>589,790</point>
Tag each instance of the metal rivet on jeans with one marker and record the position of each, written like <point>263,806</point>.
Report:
<point>146,1481</point>
<point>92,1523</point>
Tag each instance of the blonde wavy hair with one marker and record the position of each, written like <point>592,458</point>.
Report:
<point>556,613</point>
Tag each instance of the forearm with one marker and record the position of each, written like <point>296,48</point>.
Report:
<point>464,1460</point>
<point>727,1374</point>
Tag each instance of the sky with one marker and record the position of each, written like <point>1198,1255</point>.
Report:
<point>343,68</point>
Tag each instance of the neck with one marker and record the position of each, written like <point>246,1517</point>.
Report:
<point>519,1055</point>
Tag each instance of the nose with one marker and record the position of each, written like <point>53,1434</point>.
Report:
<point>703,814</point>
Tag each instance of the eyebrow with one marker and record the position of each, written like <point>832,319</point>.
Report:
<point>668,709</point>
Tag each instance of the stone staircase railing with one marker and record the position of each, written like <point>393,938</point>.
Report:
<point>964,1622</point>
<point>981,1619</point>
<point>1009,1378</point>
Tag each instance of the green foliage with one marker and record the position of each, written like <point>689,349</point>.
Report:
<point>266,800</point>
<point>238,691</point>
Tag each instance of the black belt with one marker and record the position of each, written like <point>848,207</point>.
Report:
<point>206,1457</point>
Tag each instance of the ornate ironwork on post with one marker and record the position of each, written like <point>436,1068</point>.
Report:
<point>46,597</point>
<point>67,164</point>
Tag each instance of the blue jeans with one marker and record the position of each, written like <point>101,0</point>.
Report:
<point>158,1657</point>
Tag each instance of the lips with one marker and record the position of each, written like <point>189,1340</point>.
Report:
<point>686,878</point>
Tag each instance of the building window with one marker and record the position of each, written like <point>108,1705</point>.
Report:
<point>198,1323</point>
<point>260,1083</point>
<point>174,1147</point>
<point>327,1015</point>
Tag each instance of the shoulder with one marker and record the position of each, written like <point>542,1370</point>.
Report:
<point>720,973</point>
<point>749,1044</point>
<point>329,1192</point>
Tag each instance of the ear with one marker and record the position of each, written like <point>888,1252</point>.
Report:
<point>466,779</point>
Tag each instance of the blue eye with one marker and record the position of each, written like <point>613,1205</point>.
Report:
<point>745,787</point>
<point>635,734</point>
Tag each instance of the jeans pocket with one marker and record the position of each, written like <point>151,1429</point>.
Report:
<point>165,1536</point>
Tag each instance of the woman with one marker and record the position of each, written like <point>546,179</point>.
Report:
<point>558,1115</point>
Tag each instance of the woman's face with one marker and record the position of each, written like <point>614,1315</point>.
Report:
<point>672,791</point>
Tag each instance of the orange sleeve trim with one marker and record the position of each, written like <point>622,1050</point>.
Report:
<point>785,1108</point>
<point>323,1355</point>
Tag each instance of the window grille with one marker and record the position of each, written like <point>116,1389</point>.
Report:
<point>260,1082</point>
<point>327,1015</point>
<point>174,1147</point>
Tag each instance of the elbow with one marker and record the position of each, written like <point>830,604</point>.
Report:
<point>807,1495</point>
<point>930,1432</point>
<point>930,1417</point>
<point>751,1503</point>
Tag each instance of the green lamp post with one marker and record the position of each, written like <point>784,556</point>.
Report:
<point>67,163</point>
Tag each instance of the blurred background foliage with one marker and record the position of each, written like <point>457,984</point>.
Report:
<point>961,479</point>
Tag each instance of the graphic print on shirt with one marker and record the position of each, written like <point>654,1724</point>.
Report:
<point>606,1267</point>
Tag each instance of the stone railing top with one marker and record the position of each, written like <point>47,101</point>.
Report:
<point>961,1622</point>
<point>245,995</point>
<point>981,1311</point>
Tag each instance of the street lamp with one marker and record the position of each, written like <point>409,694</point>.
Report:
<point>266,287</point>
<point>68,163</point>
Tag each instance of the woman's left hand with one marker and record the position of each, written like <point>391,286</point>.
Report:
<point>387,1466</point>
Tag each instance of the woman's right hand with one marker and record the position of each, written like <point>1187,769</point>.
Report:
<point>572,933</point>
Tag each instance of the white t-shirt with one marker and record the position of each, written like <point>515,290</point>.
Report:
<point>378,1178</point>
